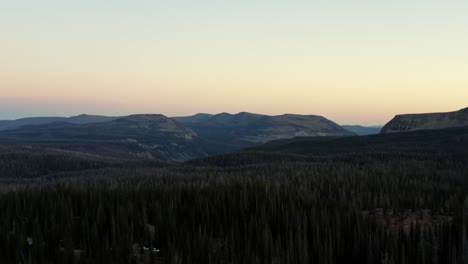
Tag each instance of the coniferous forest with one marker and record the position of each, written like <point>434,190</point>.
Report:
<point>233,132</point>
<point>248,207</point>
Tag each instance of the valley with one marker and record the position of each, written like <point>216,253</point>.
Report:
<point>86,193</point>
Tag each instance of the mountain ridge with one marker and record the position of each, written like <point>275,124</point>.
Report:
<point>79,119</point>
<point>134,137</point>
<point>158,137</point>
<point>427,121</point>
<point>246,128</point>
<point>443,141</point>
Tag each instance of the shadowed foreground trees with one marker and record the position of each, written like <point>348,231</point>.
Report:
<point>246,208</point>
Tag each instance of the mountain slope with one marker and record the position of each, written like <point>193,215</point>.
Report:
<point>247,129</point>
<point>89,119</point>
<point>81,119</point>
<point>157,137</point>
<point>412,122</point>
<point>200,117</point>
<point>452,140</point>
<point>134,137</point>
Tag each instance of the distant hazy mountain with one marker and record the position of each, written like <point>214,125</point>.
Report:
<point>89,119</point>
<point>81,119</point>
<point>157,137</point>
<point>133,137</point>
<point>247,129</point>
<point>363,130</point>
<point>412,122</point>
<point>201,117</point>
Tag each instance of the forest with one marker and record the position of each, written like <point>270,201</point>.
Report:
<point>246,207</point>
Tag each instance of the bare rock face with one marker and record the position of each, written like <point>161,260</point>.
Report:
<point>412,122</point>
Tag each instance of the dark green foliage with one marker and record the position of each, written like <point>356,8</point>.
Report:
<point>19,163</point>
<point>135,137</point>
<point>452,140</point>
<point>27,165</point>
<point>246,208</point>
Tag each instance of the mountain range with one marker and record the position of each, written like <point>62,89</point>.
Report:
<point>80,119</point>
<point>132,137</point>
<point>160,138</point>
<point>157,137</point>
<point>247,129</point>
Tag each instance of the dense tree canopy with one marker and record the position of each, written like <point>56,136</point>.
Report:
<point>243,208</point>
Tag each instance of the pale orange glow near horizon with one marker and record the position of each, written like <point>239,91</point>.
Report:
<point>352,64</point>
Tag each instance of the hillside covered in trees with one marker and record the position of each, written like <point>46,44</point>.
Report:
<point>248,207</point>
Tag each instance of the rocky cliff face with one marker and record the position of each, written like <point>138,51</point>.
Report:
<point>412,122</point>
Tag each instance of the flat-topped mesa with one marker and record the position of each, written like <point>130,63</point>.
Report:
<point>412,122</point>
<point>144,117</point>
<point>247,129</point>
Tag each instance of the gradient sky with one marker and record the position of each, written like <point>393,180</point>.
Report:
<point>355,62</point>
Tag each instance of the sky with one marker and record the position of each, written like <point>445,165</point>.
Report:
<point>354,62</point>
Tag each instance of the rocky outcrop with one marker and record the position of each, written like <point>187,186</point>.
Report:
<point>412,122</point>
